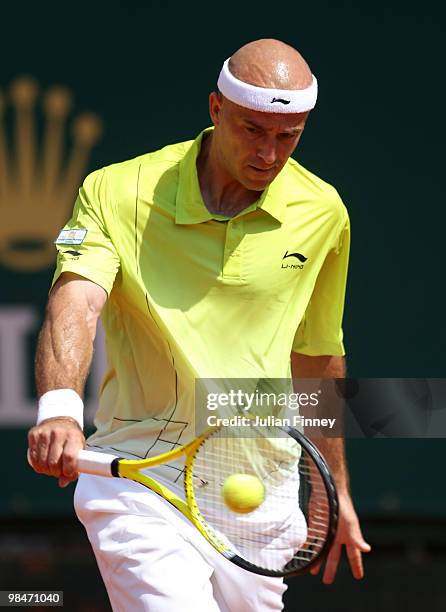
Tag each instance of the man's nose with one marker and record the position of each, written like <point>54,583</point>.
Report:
<point>267,151</point>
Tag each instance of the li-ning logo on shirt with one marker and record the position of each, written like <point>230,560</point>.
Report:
<point>75,255</point>
<point>281,100</point>
<point>293,266</point>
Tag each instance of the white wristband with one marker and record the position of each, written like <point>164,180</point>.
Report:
<point>61,403</point>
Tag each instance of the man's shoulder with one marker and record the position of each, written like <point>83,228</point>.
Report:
<point>154,162</point>
<point>116,186</point>
<point>312,188</point>
<point>123,177</point>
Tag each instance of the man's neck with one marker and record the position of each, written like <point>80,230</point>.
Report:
<point>221,194</point>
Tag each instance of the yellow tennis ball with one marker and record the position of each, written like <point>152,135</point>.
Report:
<point>243,493</point>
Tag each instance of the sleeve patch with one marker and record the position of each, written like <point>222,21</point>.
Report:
<point>71,236</point>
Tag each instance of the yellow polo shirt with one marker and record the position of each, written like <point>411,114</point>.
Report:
<point>196,295</point>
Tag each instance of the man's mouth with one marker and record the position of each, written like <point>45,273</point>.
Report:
<point>262,170</point>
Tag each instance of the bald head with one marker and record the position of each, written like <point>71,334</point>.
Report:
<point>270,63</point>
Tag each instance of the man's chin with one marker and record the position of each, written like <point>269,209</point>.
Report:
<point>257,183</point>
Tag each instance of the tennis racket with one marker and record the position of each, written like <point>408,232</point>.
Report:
<point>288,533</point>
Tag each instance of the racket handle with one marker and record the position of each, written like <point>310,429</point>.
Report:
<point>99,464</point>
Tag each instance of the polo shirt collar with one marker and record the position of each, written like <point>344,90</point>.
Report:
<point>274,198</point>
<point>190,207</point>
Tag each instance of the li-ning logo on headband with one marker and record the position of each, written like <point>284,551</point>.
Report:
<point>280,100</point>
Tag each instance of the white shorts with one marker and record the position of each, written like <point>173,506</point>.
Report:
<point>153,560</point>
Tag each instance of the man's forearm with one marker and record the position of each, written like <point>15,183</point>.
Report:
<point>333,449</point>
<point>64,349</point>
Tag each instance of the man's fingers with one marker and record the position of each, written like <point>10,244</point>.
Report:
<point>354,554</point>
<point>316,569</point>
<point>69,460</point>
<point>332,563</point>
<point>355,560</point>
<point>64,482</point>
<point>55,453</point>
<point>365,548</point>
<point>39,445</point>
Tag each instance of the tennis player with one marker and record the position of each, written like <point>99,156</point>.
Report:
<point>219,257</point>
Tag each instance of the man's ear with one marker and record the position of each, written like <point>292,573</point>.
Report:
<point>215,104</point>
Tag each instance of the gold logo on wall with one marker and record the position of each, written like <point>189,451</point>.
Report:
<point>37,183</point>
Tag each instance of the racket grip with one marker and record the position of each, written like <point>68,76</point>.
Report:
<point>99,464</point>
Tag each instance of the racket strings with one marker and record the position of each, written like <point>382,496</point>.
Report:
<point>290,527</point>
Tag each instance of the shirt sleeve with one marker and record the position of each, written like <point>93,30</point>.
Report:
<point>320,331</point>
<point>84,245</point>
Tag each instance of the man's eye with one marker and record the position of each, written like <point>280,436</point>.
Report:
<point>251,130</point>
<point>288,135</point>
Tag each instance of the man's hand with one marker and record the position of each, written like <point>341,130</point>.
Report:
<point>54,446</point>
<point>349,535</point>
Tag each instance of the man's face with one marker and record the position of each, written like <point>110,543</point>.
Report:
<point>252,146</point>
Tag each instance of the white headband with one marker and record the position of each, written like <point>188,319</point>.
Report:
<point>263,99</point>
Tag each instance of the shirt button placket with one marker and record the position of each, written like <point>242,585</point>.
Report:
<point>232,255</point>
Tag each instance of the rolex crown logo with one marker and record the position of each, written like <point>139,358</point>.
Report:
<point>37,186</point>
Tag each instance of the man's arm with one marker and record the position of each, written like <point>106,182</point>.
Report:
<point>64,354</point>
<point>333,449</point>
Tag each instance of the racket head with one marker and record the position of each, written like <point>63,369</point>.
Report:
<point>293,529</point>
